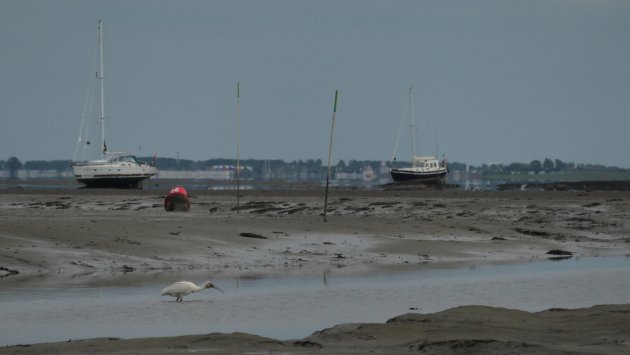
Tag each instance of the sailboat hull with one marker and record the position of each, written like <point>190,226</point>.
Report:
<point>126,182</point>
<point>414,175</point>
<point>118,174</point>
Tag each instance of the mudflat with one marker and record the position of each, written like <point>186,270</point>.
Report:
<point>89,237</point>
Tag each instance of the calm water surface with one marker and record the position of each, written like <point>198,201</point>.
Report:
<point>293,307</point>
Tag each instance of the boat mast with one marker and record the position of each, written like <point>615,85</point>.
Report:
<point>238,148</point>
<point>413,148</point>
<point>400,128</point>
<point>101,77</point>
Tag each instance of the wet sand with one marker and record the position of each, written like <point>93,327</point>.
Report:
<point>91,237</point>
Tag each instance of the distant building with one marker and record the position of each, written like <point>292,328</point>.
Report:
<point>216,172</point>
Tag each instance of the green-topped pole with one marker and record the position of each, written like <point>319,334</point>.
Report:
<point>332,128</point>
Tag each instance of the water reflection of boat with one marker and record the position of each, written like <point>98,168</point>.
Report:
<point>113,169</point>
<point>424,169</point>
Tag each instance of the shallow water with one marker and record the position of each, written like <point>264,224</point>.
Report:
<point>292,307</point>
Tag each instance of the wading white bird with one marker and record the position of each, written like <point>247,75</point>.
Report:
<point>180,289</point>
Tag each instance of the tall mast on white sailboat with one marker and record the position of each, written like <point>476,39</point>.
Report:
<point>437,143</point>
<point>101,77</point>
<point>408,108</point>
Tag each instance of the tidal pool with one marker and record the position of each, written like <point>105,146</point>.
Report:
<point>292,307</point>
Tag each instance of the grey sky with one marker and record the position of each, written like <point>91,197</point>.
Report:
<point>497,81</point>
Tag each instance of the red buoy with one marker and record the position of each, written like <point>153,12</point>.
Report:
<point>177,200</point>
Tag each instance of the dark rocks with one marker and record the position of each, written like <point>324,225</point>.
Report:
<point>7,272</point>
<point>307,344</point>
<point>559,252</point>
<point>534,233</point>
<point>252,235</point>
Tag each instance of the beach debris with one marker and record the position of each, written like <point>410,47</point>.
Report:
<point>252,235</point>
<point>356,209</point>
<point>280,207</point>
<point>177,200</point>
<point>583,223</point>
<point>125,240</point>
<point>80,263</point>
<point>467,346</point>
<point>295,210</point>
<point>50,204</point>
<point>589,205</point>
<point>385,204</point>
<point>126,268</point>
<point>257,206</point>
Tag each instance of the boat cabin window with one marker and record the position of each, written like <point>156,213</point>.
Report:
<point>129,159</point>
<point>126,159</point>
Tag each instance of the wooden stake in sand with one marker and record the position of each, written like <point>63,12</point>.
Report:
<point>332,127</point>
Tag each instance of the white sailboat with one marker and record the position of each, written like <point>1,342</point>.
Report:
<point>113,169</point>
<point>424,169</point>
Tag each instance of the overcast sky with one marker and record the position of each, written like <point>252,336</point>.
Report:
<point>495,81</point>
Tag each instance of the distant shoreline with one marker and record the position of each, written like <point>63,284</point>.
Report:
<point>569,186</point>
<point>156,184</point>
